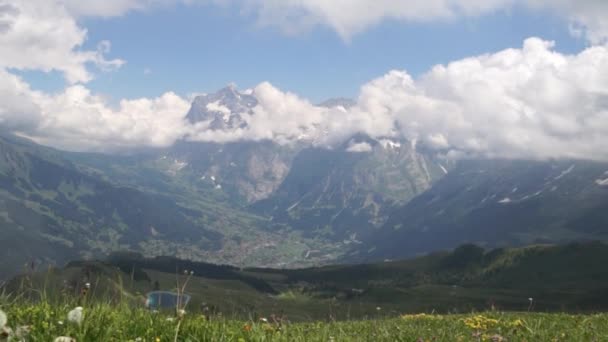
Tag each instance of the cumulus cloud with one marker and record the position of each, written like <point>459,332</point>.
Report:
<point>522,103</point>
<point>41,35</point>
<point>531,102</point>
<point>349,17</point>
<point>76,119</point>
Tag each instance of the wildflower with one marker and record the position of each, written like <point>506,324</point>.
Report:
<point>265,320</point>
<point>378,308</point>
<point>65,339</point>
<point>518,323</point>
<point>87,285</point>
<point>497,338</point>
<point>480,322</point>
<point>247,327</point>
<point>181,313</point>
<point>3,319</point>
<point>170,319</point>
<point>76,315</point>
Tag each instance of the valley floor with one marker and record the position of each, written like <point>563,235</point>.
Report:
<point>103,322</point>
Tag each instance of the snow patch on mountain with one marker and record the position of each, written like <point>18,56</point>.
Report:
<point>565,172</point>
<point>389,144</point>
<point>602,182</point>
<point>359,147</point>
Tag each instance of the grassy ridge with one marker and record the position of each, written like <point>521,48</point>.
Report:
<point>570,278</point>
<point>104,322</point>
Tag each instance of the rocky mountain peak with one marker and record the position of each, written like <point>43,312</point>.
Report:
<point>222,109</point>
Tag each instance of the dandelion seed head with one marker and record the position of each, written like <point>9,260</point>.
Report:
<point>65,339</point>
<point>76,315</point>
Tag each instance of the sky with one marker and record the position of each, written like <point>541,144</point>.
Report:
<point>495,78</point>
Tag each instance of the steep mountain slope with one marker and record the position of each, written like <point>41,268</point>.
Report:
<point>343,195</point>
<point>500,203</point>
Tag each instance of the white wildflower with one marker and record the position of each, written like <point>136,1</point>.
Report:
<point>65,339</point>
<point>76,315</point>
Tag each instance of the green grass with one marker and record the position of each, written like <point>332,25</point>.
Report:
<point>105,322</point>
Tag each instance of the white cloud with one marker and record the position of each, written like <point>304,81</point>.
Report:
<point>41,35</point>
<point>530,102</point>
<point>349,17</point>
<point>359,147</point>
<point>79,120</point>
<point>587,17</point>
<point>523,103</point>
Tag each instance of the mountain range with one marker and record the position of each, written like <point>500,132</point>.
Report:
<point>263,203</point>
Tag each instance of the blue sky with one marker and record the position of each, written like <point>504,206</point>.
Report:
<point>191,49</point>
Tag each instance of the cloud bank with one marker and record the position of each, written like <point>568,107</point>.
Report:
<point>529,102</point>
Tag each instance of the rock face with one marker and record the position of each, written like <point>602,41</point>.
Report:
<point>496,203</point>
<point>245,171</point>
<point>345,195</point>
<point>221,110</point>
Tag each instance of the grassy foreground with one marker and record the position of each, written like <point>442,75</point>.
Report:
<point>103,322</point>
